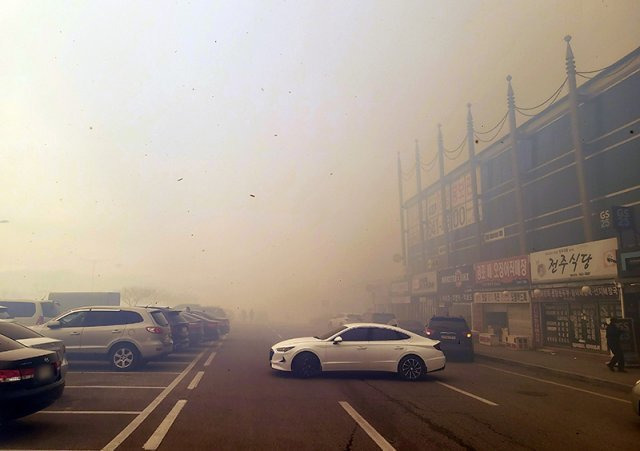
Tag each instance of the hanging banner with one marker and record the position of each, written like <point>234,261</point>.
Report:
<point>459,195</point>
<point>593,260</point>
<point>435,226</point>
<point>503,272</point>
<point>425,283</point>
<point>456,280</point>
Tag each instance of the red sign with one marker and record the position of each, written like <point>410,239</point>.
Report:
<point>505,271</point>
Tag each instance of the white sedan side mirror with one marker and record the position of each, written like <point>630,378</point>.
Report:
<point>337,340</point>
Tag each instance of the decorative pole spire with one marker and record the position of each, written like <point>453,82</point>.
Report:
<point>474,183</point>
<point>515,168</point>
<point>443,197</point>
<point>578,152</point>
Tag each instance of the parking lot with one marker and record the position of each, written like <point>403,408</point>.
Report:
<point>102,408</point>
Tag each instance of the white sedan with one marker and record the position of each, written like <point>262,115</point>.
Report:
<point>359,347</point>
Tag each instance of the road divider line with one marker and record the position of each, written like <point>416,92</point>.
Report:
<point>91,412</point>
<point>471,395</point>
<point>124,373</point>
<point>366,427</point>
<point>156,438</point>
<point>137,421</point>
<point>146,387</point>
<point>545,381</point>
<point>195,381</point>
<point>208,362</point>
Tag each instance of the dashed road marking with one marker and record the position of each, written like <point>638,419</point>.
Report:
<point>471,395</point>
<point>364,424</point>
<point>144,387</point>
<point>613,398</point>
<point>156,438</point>
<point>196,380</point>
<point>208,362</point>
<point>137,421</point>
<point>90,412</point>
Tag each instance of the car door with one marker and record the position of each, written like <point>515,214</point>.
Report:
<point>102,328</point>
<point>350,354</point>
<point>70,330</point>
<point>386,347</point>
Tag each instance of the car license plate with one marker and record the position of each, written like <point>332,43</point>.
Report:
<point>447,337</point>
<point>44,372</point>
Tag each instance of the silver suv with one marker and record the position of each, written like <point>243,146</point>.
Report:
<point>127,336</point>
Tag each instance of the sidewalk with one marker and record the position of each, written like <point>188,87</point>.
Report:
<point>567,363</point>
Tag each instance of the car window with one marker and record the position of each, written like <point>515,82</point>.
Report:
<point>356,334</point>
<point>73,319</point>
<point>49,309</point>
<point>4,313</point>
<point>20,309</point>
<point>331,333</point>
<point>380,334</point>
<point>159,318</point>
<point>7,344</point>
<point>17,331</point>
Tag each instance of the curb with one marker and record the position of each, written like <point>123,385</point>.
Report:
<point>568,374</point>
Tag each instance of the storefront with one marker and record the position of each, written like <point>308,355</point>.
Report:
<point>399,295</point>
<point>574,294</point>
<point>455,292</point>
<point>501,300</point>
<point>424,289</point>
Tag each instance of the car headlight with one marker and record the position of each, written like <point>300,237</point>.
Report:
<point>285,348</point>
<point>637,382</point>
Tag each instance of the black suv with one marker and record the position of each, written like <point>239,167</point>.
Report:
<point>454,336</point>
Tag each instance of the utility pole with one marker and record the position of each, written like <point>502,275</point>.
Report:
<point>403,229</point>
<point>578,151</point>
<point>423,251</point>
<point>515,168</point>
<point>474,182</point>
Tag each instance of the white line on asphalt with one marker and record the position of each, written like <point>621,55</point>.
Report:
<point>137,421</point>
<point>116,386</point>
<point>196,380</point>
<point>208,362</point>
<point>364,424</point>
<point>156,438</point>
<point>92,412</point>
<point>124,373</point>
<point>613,398</point>
<point>471,395</point>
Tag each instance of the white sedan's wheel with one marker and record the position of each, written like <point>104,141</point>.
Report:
<point>306,365</point>
<point>411,368</point>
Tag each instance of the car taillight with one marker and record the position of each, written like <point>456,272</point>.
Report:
<point>437,346</point>
<point>17,375</point>
<point>429,332</point>
<point>155,330</point>
<point>40,320</point>
<point>468,335</point>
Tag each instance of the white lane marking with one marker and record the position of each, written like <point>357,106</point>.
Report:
<point>124,373</point>
<point>137,421</point>
<point>364,424</point>
<point>613,398</point>
<point>156,438</point>
<point>146,387</point>
<point>208,362</point>
<point>91,412</point>
<point>471,395</point>
<point>196,380</point>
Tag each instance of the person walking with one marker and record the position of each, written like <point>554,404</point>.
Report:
<point>613,343</point>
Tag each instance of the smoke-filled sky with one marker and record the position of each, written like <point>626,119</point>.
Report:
<point>244,153</point>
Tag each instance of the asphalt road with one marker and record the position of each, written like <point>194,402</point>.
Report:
<point>225,396</point>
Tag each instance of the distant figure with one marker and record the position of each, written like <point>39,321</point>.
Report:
<point>244,315</point>
<point>613,343</point>
<point>251,315</point>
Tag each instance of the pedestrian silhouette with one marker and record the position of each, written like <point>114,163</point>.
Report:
<point>613,343</point>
